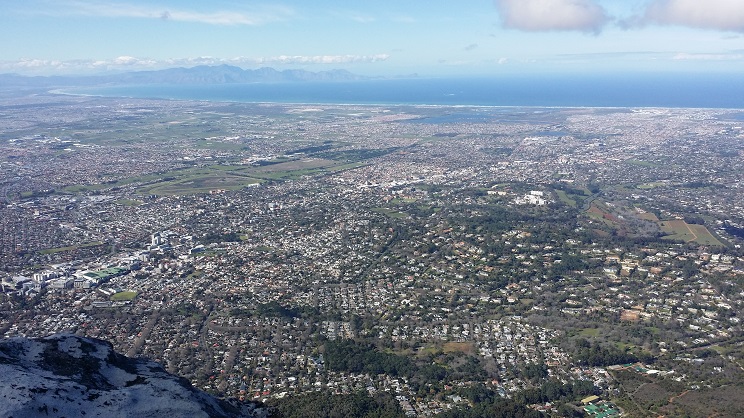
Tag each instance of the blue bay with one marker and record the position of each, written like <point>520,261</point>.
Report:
<point>682,90</point>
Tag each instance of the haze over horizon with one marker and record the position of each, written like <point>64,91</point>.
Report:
<point>433,38</point>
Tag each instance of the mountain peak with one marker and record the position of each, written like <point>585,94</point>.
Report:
<point>202,74</point>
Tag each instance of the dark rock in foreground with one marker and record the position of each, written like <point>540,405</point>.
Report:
<point>70,376</point>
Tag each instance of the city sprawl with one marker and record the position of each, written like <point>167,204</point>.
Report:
<point>264,251</point>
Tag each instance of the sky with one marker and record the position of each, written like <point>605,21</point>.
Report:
<point>374,37</point>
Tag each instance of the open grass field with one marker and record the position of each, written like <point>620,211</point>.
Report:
<point>682,231</point>
<point>648,216</point>
<point>200,184</point>
<point>218,177</point>
<point>590,332</point>
<point>600,213</point>
<point>453,347</point>
<point>293,165</point>
<point>704,237</point>
<point>677,230</point>
<point>563,197</point>
<point>391,213</point>
<point>129,202</point>
<point>297,168</point>
<point>123,296</point>
<point>595,212</point>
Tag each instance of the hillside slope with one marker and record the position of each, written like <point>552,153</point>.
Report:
<point>65,376</point>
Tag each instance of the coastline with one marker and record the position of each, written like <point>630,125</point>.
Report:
<point>475,93</point>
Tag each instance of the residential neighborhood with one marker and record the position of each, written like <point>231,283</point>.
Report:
<point>503,252</point>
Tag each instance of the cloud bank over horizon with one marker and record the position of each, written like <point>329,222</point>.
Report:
<point>725,15</point>
<point>129,63</point>
<point>552,15</point>
<point>590,16</point>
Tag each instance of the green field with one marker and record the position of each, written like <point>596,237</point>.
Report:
<point>123,296</point>
<point>648,216</point>
<point>128,202</point>
<point>200,184</point>
<point>680,230</point>
<point>297,168</point>
<point>391,213</point>
<point>218,177</point>
<point>563,196</point>
<point>455,347</point>
<point>704,237</point>
<point>590,332</point>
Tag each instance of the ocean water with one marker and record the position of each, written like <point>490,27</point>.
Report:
<point>680,91</point>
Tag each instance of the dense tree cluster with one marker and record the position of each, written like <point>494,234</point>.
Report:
<point>324,405</point>
<point>216,238</point>
<point>499,408</point>
<point>734,230</point>
<point>553,390</point>
<point>487,403</point>
<point>597,355</point>
<point>357,357</point>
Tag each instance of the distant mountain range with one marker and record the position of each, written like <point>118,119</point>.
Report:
<point>221,74</point>
<point>65,375</point>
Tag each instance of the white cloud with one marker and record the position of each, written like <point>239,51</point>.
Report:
<point>224,18</point>
<point>684,56</point>
<point>128,63</point>
<point>353,16</point>
<point>460,63</point>
<point>126,60</point>
<point>217,18</point>
<point>27,63</point>
<point>706,14</point>
<point>552,15</point>
<point>322,59</point>
<point>403,19</point>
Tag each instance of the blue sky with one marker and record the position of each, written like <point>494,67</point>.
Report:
<point>374,37</point>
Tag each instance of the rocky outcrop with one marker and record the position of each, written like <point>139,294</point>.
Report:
<point>70,376</point>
